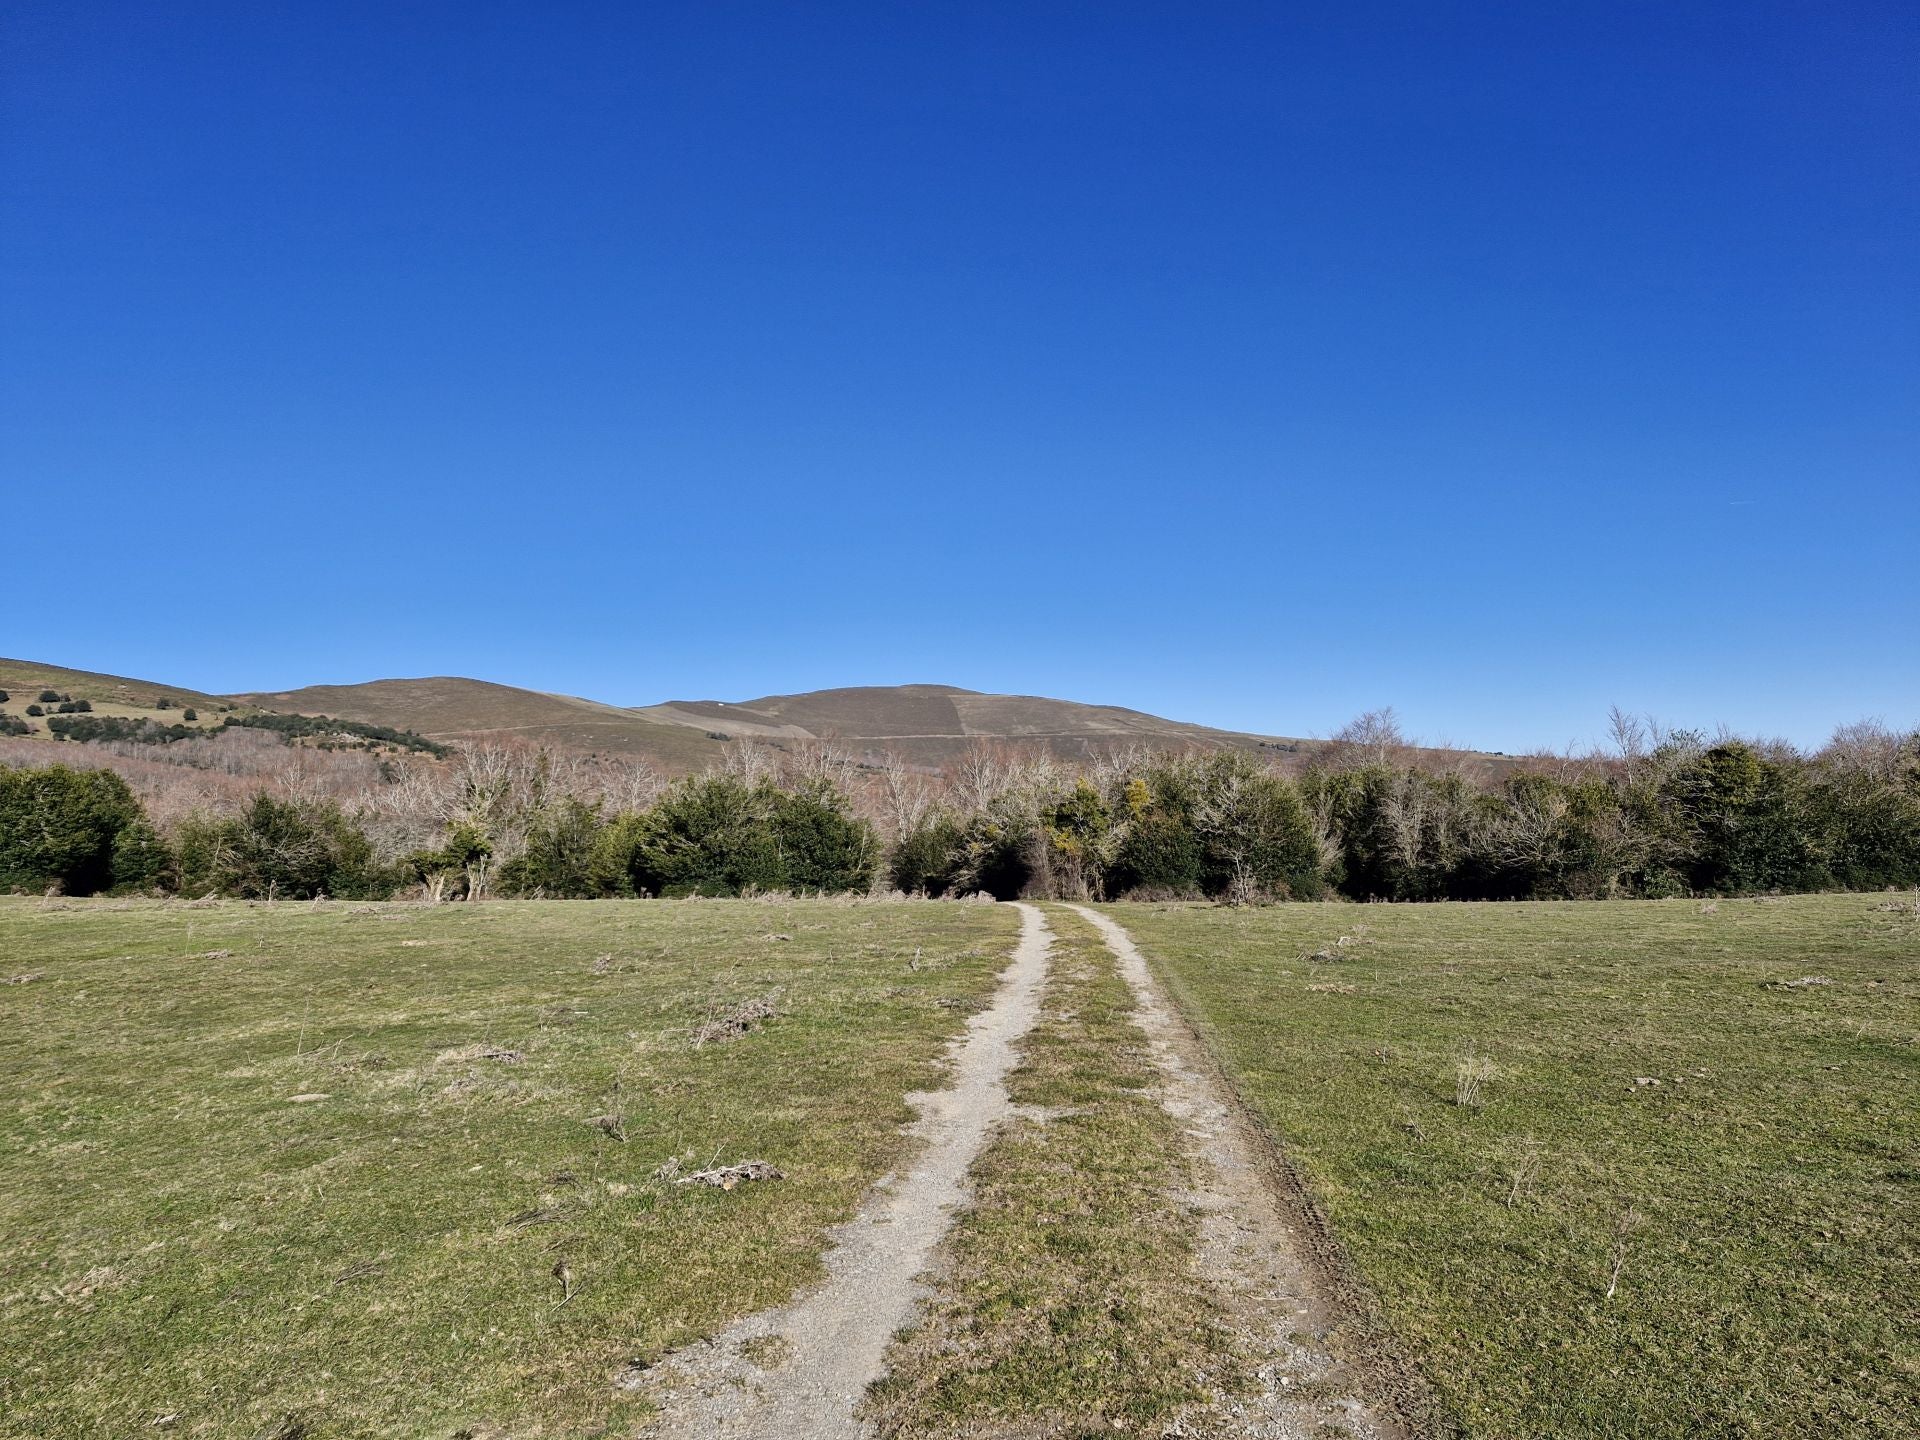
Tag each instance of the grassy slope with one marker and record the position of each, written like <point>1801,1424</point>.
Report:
<point>182,1237</point>
<point>25,679</point>
<point>1766,1192</point>
<point>448,707</point>
<point>1069,1304</point>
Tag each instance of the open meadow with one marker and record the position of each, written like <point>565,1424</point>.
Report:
<point>1639,1169</point>
<point>296,1170</point>
<point>1645,1169</point>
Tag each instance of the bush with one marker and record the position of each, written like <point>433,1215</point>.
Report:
<point>14,725</point>
<point>51,697</point>
<point>457,869</point>
<point>189,714</point>
<point>75,707</point>
<point>65,828</point>
<point>562,858</point>
<point>822,845</point>
<point>926,858</point>
<point>36,710</point>
<point>282,849</point>
<point>718,835</point>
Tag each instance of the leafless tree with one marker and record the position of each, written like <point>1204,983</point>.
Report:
<point>1629,736</point>
<point>1371,738</point>
<point>749,760</point>
<point>905,794</point>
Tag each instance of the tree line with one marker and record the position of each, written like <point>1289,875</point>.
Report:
<point>83,832</point>
<point>1366,817</point>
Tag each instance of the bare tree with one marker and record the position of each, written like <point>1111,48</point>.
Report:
<point>749,760</point>
<point>905,794</point>
<point>1629,736</point>
<point>1371,738</point>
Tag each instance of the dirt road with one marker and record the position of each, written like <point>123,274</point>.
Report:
<point>1250,1248</point>
<point>801,1369</point>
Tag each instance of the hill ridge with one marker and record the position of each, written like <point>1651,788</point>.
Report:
<point>926,722</point>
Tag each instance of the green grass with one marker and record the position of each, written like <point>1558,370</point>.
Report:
<point>1069,1304</point>
<point>1762,1201</point>
<point>179,1236</point>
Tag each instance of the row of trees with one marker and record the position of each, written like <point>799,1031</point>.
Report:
<point>1675,814</point>
<point>84,832</point>
<point>1365,816</point>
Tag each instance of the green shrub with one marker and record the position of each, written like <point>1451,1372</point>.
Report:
<point>823,847</point>
<point>60,827</point>
<point>1160,855</point>
<point>283,849</point>
<point>718,835</point>
<point>562,854</point>
<point>926,859</point>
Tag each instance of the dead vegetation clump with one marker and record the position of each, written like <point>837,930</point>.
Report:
<point>1470,1076</point>
<point>467,1054</point>
<point>736,1020</point>
<point>726,1177</point>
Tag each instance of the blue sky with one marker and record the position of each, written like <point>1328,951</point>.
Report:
<point>1250,364</point>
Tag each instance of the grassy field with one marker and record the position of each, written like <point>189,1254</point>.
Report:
<point>1068,1304</point>
<point>310,1171</point>
<point>1662,1113</point>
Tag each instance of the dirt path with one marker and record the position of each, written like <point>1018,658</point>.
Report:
<point>1259,1262</point>
<point>798,1371</point>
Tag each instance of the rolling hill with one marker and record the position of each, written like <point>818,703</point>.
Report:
<point>927,724</point>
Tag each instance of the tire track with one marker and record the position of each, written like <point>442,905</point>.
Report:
<point>803,1368</point>
<point>1266,1273</point>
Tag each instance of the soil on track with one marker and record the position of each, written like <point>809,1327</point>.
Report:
<point>1296,1315</point>
<point>801,1369</point>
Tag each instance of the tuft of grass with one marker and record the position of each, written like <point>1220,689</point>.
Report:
<point>1697,1214</point>
<point>1068,1302</point>
<point>1471,1073</point>
<point>384,1169</point>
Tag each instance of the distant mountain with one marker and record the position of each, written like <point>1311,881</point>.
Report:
<point>928,724</point>
<point>933,723</point>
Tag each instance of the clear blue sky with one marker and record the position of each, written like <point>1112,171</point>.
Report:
<point>1251,364</point>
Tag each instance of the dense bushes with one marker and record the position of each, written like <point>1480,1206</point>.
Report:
<point>1213,825</point>
<point>1690,816</point>
<point>279,849</point>
<point>330,731</point>
<point>91,729</point>
<point>1726,818</point>
<point>716,835</point>
<point>83,831</point>
<point>78,831</point>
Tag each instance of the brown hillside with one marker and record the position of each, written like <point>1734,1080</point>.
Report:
<point>451,708</point>
<point>929,725</point>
